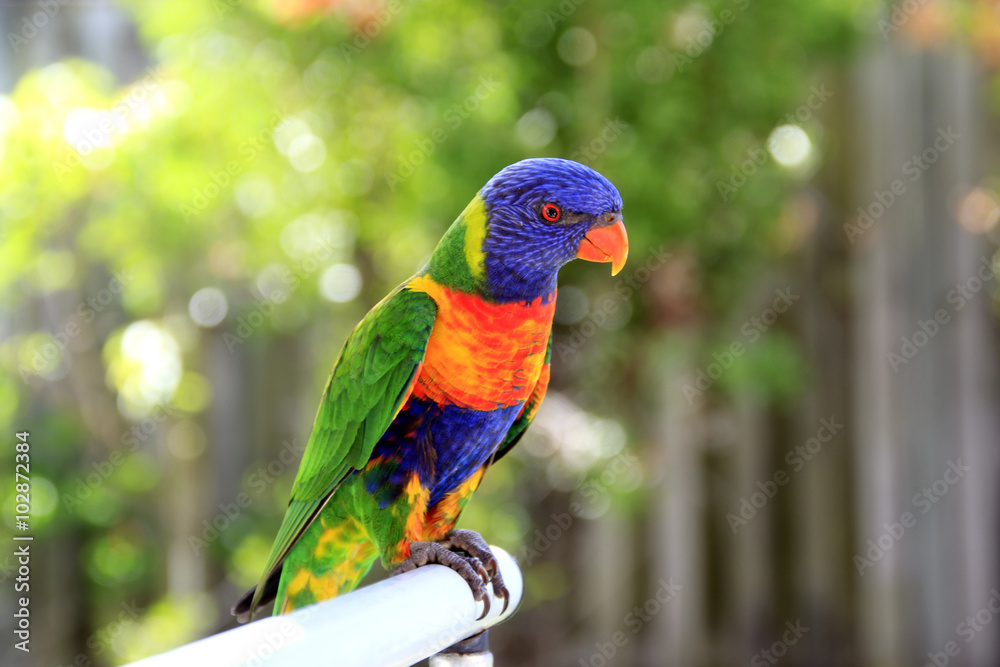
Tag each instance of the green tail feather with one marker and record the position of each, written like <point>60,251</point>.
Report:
<point>331,557</point>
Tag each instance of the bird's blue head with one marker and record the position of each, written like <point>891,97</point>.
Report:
<point>526,222</point>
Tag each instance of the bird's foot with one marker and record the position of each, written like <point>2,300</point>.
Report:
<point>467,553</point>
<point>473,544</point>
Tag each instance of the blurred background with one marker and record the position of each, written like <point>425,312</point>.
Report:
<point>772,439</point>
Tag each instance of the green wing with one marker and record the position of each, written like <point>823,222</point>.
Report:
<point>523,421</point>
<point>369,383</point>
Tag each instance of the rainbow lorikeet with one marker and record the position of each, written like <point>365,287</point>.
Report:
<point>438,382</point>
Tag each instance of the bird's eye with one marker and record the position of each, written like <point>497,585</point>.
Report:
<point>551,212</point>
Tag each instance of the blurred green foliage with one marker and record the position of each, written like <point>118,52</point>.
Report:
<point>296,152</point>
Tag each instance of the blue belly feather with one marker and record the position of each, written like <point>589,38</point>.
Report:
<point>444,445</point>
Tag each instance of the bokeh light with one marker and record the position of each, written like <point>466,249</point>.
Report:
<point>978,210</point>
<point>340,283</point>
<point>307,152</point>
<point>536,128</point>
<point>789,145</point>
<point>577,46</point>
<point>147,366</point>
<point>208,306</point>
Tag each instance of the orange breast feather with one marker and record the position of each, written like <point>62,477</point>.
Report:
<point>482,355</point>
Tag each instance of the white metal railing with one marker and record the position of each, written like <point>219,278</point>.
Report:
<point>393,623</point>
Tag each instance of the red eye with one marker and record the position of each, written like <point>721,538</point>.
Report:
<point>551,212</point>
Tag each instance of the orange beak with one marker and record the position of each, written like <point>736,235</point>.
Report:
<point>606,244</point>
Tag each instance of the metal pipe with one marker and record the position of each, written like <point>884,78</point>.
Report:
<point>393,623</point>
